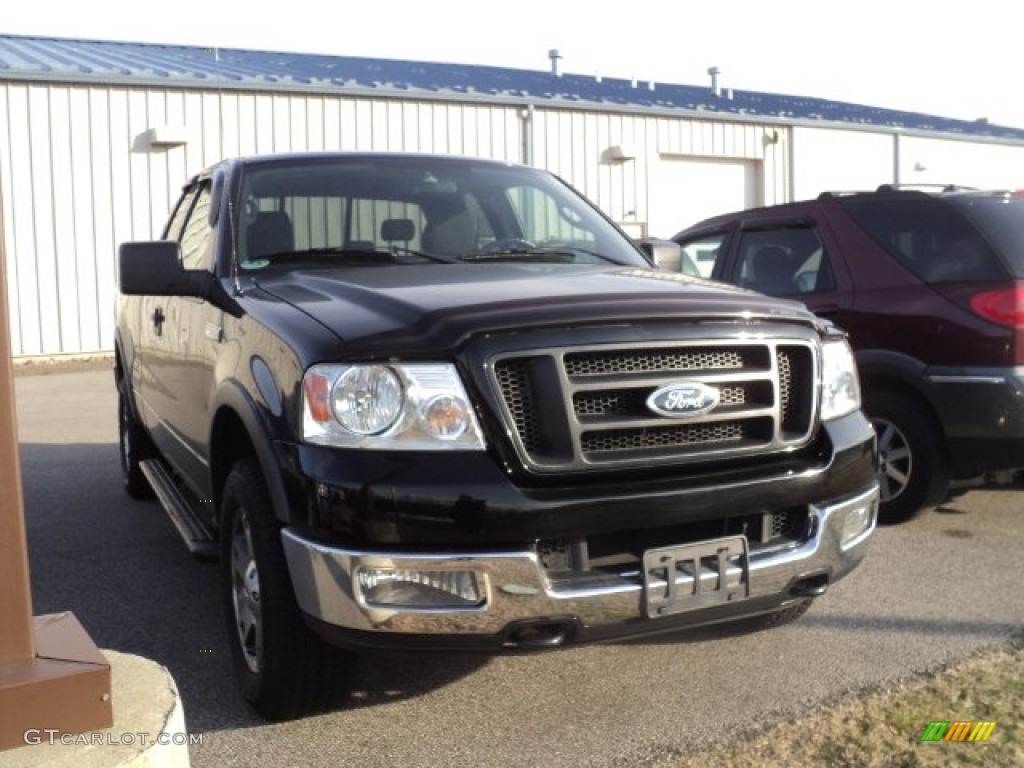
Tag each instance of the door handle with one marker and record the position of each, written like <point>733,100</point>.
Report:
<point>158,320</point>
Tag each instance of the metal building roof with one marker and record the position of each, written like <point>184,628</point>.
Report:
<point>95,61</point>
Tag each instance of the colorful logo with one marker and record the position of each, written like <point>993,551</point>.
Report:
<point>958,730</point>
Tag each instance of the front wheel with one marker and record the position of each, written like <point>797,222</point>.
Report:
<point>912,471</point>
<point>283,668</point>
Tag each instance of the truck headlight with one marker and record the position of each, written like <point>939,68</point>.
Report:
<point>414,406</point>
<point>840,386</point>
<point>367,399</point>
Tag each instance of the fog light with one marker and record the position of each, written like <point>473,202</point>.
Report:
<point>858,522</point>
<point>401,588</point>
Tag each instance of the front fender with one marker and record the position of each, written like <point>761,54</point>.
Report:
<point>875,364</point>
<point>236,411</point>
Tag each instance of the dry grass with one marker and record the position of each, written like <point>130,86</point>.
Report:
<point>883,730</point>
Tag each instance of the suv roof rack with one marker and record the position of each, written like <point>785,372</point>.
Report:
<point>924,187</point>
<point>830,193</point>
<point>884,188</point>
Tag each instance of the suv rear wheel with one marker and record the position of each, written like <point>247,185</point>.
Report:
<point>913,472</point>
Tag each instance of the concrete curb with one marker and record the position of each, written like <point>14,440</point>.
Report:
<point>148,732</point>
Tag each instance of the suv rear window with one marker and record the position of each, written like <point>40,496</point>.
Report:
<point>929,237</point>
<point>1001,218</point>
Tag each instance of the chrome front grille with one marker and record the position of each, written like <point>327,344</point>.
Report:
<point>596,441</point>
<point>646,361</point>
<point>584,408</point>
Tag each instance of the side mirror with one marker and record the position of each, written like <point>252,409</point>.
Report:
<point>664,254</point>
<point>154,269</point>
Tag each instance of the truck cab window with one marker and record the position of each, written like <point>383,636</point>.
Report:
<point>197,237</point>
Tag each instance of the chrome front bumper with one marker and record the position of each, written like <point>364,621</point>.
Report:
<point>516,590</point>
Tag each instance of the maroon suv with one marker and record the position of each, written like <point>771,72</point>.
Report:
<point>930,287</point>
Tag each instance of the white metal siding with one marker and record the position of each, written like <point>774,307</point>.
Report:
<point>686,191</point>
<point>835,159</point>
<point>575,145</point>
<point>707,167</point>
<point>77,181</point>
<point>938,161</point>
<point>839,160</point>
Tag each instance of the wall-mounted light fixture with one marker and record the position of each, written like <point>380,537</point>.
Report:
<point>620,153</point>
<point>161,137</point>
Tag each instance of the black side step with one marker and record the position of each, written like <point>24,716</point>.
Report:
<point>198,537</point>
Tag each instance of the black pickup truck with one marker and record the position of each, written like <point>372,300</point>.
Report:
<point>428,402</point>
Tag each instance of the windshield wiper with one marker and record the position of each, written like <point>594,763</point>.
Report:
<point>332,254</point>
<point>533,253</point>
<point>397,249</point>
<point>341,254</point>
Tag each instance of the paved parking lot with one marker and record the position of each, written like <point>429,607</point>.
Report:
<point>931,591</point>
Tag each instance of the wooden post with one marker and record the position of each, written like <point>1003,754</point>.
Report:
<point>17,640</point>
<point>52,676</point>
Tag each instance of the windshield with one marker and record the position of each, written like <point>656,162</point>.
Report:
<point>417,209</point>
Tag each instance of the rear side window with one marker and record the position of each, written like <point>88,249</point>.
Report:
<point>197,237</point>
<point>1001,220</point>
<point>784,261</point>
<point>929,237</point>
<point>177,222</point>
<point>698,257</point>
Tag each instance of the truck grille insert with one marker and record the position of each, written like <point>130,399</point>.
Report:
<point>578,409</point>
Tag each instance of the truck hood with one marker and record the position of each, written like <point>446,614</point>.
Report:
<point>439,306</point>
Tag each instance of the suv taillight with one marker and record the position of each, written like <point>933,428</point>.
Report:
<point>1004,306</point>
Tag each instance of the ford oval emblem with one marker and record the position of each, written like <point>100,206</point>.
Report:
<point>678,401</point>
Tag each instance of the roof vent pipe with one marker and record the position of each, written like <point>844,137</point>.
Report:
<point>554,55</point>
<point>716,89</point>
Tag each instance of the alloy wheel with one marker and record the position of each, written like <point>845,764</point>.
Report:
<point>245,587</point>
<point>895,460</point>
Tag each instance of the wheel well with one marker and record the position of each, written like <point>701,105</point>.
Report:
<point>883,383</point>
<point>118,365</point>
<point>229,442</point>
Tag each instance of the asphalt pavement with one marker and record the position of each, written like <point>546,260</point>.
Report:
<point>930,592</point>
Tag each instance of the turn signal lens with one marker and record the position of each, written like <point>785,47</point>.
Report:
<point>444,417</point>
<point>317,388</point>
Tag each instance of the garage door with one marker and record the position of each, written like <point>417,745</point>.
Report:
<point>685,190</point>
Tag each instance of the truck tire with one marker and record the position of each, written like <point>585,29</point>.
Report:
<point>284,670</point>
<point>131,446</point>
<point>913,472</point>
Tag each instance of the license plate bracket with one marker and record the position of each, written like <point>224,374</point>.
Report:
<point>691,576</point>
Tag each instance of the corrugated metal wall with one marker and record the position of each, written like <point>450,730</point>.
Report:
<point>77,182</point>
